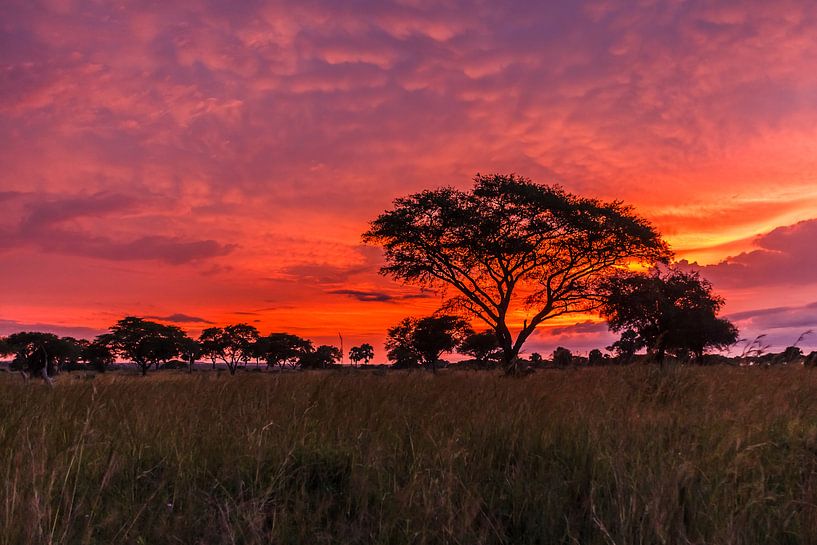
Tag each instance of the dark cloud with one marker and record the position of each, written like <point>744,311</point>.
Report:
<point>179,318</point>
<point>9,195</point>
<point>365,296</point>
<point>42,213</point>
<point>581,328</point>
<point>377,296</point>
<point>171,250</point>
<point>60,225</point>
<point>8,327</point>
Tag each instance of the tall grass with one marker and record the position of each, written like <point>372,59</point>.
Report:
<point>596,456</point>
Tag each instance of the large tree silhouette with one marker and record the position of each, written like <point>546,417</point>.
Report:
<point>511,247</point>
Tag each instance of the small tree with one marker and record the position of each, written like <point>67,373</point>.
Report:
<point>422,341</point>
<point>666,311</point>
<point>322,357</point>
<point>284,349</point>
<point>400,347</point>
<point>483,347</point>
<point>595,357</point>
<point>67,352</point>
<point>212,344</point>
<point>791,354</point>
<point>510,246</point>
<point>364,353</point>
<point>191,350</point>
<point>146,343</point>
<point>98,354</point>
<point>233,344</point>
<point>562,357</point>
<point>5,349</point>
<point>626,347</point>
<point>35,353</point>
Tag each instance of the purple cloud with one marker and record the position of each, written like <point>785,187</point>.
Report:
<point>366,296</point>
<point>785,256</point>
<point>179,318</point>
<point>8,327</point>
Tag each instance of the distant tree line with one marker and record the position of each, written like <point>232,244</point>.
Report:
<point>148,344</point>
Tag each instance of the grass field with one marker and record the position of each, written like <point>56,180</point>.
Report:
<point>630,455</point>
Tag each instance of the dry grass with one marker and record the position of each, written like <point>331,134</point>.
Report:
<point>607,455</point>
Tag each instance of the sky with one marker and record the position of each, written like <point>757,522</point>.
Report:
<point>212,162</point>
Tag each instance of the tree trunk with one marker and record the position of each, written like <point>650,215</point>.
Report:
<point>510,361</point>
<point>660,355</point>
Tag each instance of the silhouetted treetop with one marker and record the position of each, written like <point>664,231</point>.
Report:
<point>417,341</point>
<point>283,348</point>
<point>144,342</point>
<point>364,353</point>
<point>509,245</point>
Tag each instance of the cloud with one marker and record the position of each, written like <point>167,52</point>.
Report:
<point>376,296</point>
<point>179,318</point>
<point>784,256</point>
<point>764,319</point>
<point>170,250</point>
<point>581,328</point>
<point>8,327</point>
<point>68,224</point>
<point>43,213</point>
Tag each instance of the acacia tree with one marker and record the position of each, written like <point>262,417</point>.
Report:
<point>671,311</point>
<point>322,357</point>
<point>211,343</point>
<point>509,246</point>
<point>364,353</point>
<point>232,344</point>
<point>98,353</point>
<point>145,343</point>
<point>283,349</point>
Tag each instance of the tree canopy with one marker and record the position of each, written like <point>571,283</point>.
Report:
<point>322,357</point>
<point>422,341</point>
<point>232,344</point>
<point>364,353</point>
<point>511,246</point>
<point>483,347</point>
<point>283,349</point>
<point>144,342</point>
<point>667,311</point>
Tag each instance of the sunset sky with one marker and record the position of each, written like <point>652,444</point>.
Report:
<point>216,162</point>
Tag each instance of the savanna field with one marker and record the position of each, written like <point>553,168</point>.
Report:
<point>624,455</point>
